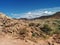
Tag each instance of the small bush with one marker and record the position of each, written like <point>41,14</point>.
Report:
<point>35,34</point>
<point>37,25</point>
<point>58,21</point>
<point>57,31</point>
<point>34,24</point>
<point>46,29</point>
<point>31,24</point>
<point>58,27</point>
<point>23,32</point>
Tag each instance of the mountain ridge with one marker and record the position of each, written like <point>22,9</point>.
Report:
<point>55,15</point>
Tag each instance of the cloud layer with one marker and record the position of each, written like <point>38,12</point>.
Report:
<point>37,13</point>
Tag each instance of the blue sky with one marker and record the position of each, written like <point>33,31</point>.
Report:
<point>11,7</point>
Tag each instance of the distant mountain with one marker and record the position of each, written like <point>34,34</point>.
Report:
<point>56,15</point>
<point>46,16</point>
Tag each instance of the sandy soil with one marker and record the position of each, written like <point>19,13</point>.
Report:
<point>6,40</point>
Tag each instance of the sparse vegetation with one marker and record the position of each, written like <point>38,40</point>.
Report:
<point>31,24</point>
<point>34,34</point>
<point>34,24</point>
<point>57,31</point>
<point>58,21</point>
<point>23,32</point>
<point>46,29</point>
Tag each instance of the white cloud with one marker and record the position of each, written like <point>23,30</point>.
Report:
<point>37,13</point>
<point>29,13</point>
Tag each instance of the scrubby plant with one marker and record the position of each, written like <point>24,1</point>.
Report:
<point>57,30</point>
<point>46,29</point>
<point>37,25</point>
<point>31,24</point>
<point>58,21</point>
<point>34,34</point>
<point>23,32</point>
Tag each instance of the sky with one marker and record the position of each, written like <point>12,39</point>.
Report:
<point>26,8</point>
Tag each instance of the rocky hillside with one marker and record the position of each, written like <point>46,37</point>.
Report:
<point>37,32</point>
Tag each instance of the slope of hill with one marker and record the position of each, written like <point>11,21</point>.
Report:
<point>56,16</point>
<point>30,32</point>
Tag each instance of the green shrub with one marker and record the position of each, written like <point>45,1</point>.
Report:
<point>46,29</point>
<point>34,34</point>
<point>57,31</point>
<point>58,21</point>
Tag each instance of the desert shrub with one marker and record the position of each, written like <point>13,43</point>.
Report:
<point>34,34</point>
<point>58,21</point>
<point>31,24</point>
<point>58,27</point>
<point>37,25</point>
<point>34,24</point>
<point>57,31</point>
<point>23,32</point>
<point>54,23</point>
<point>46,29</point>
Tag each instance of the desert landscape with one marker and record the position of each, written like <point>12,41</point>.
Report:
<point>43,30</point>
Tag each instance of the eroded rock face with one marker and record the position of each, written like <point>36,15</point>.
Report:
<point>29,31</point>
